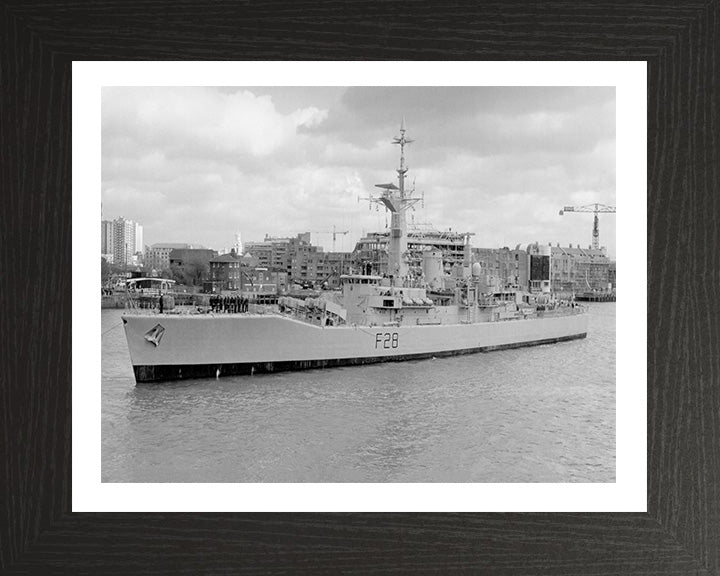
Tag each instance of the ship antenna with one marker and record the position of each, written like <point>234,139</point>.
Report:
<point>402,170</point>
<point>402,142</point>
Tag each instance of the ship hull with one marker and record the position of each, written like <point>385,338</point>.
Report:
<point>174,347</point>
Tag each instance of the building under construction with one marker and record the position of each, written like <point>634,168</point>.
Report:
<point>371,251</point>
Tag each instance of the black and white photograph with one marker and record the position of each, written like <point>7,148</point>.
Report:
<point>358,307</point>
<point>358,284</point>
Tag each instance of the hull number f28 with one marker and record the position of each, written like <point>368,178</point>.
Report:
<point>386,340</point>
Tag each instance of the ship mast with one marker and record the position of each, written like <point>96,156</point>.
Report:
<point>397,200</point>
<point>397,264</point>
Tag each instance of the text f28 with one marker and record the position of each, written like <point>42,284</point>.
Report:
<point>386,340</point>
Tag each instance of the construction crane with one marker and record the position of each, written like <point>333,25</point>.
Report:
<point>334,233</point>
<point>595,209</point>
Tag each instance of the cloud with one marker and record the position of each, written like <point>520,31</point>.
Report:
<point>188,120</point>
<point>198,164</point>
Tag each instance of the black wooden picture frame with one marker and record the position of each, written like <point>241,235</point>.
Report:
<point>680,533</point>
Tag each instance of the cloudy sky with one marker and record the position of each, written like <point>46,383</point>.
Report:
<point>198,165</point>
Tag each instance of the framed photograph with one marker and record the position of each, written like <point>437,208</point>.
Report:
<point>268,169</point>
<point>88,135</point>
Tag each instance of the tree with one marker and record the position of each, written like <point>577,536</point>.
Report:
<point>195,271</point>
<point>105,271</point>
<point>177,274</point>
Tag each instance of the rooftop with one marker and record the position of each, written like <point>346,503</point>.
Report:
<point>169,245</point>
<point>226,258</point>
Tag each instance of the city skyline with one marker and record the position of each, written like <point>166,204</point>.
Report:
<point>497,162</point>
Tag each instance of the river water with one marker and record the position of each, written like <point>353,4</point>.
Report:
<point>541,414</point>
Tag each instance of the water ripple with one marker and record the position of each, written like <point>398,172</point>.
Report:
<point>542,414</point>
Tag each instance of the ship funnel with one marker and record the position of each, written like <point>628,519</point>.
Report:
<point>433,268</point>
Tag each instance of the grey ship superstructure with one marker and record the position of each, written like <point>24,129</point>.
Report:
<point>405,314</point>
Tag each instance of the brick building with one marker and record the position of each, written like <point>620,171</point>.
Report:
<point>579,269</point>
<point>571,268</point>
<point>277,253</point>
<point>157,256</point>
<point>183,256</point>
<point>300,260</point>
<point>313,266</point>
<point>230,272</point>
<point>224,273</point>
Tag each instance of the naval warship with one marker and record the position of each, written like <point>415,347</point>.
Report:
<point>402,314</point>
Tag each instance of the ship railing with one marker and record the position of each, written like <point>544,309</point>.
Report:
<point>562,311</point>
